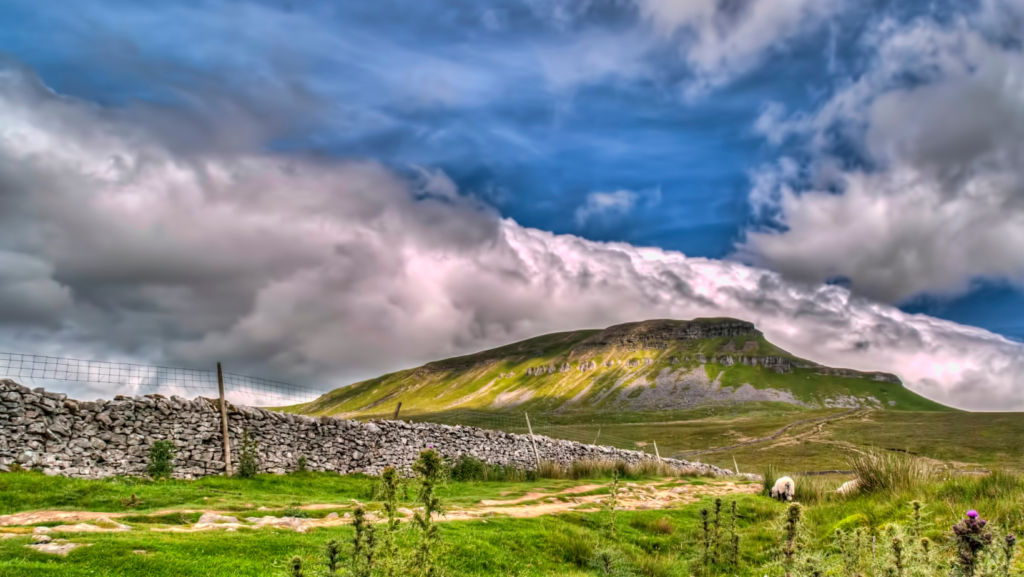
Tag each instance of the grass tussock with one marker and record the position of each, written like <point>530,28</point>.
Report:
<point>889,471</point>
<point>997,485</point>
<point>768,475</point>
<point>816,488</point>
<point>605,468</point>
<point>661,525</point>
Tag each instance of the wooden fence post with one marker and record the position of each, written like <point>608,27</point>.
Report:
<point>224,422</point>
<point>398,408</point>
<point>656,454</point>
<point>536,455</point>
<point>598,435</point>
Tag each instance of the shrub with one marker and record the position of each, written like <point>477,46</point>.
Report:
<point>468,468</point>
<point>888,471</point>
<point>302,465</point>
<point>249,460</point>
<point>161,460</point>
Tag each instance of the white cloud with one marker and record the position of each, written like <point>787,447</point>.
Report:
<point>943,202</point>
<point>620,202</point>
<point>722,38</point>
<point>326,272</point>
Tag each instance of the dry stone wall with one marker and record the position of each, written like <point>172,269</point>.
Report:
<point>61,436</point>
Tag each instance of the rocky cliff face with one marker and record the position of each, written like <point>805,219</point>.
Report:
<point>659,334</point>
<point>61,436</point>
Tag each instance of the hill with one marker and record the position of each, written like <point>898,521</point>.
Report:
<point>655,365</point>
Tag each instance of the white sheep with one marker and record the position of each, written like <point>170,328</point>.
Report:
<point>784,489</point>
<point>848,488</point>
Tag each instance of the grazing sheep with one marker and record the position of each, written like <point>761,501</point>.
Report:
<point>848,488</point>
<point>784,489</point>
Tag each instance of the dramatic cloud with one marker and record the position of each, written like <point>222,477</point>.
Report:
<point>722,38</point>
<point>934,197</point>
<point>325,272</point>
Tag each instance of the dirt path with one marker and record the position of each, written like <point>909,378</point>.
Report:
<point>632,496</point>
<point>772,437</point>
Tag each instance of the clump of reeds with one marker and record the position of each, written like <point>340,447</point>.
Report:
<point>888,471</point>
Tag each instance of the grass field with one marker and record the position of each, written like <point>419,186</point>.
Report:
<point>665,542</point>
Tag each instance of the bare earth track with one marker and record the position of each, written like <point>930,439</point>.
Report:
<point>662,494</point>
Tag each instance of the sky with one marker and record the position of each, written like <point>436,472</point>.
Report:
<point>320,192</point>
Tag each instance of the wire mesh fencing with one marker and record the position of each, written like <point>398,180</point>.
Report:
<point>121,378</point>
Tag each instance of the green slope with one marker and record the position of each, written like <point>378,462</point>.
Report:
<point>653,365</point>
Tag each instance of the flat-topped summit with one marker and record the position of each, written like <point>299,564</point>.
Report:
<point>657,364</point>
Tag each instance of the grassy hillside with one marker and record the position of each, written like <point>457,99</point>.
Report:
<point>638,367</point>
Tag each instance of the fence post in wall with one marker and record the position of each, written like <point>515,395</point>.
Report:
<point>536,455</point>
<point>224,422</point>
<point>656,454</point>
<point>398,408</point>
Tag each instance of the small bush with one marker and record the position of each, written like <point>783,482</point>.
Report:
<point>302,466</point>
<point>467,468</point>
<point>161,460</point>
<point>249,460</point>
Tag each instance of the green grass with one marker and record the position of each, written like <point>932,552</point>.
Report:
<point>658,542</point>
<point>33,491</point>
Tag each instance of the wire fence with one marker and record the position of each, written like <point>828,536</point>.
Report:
<point>130,376</point>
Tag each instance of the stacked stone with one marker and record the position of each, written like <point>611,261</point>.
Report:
<point>46,430</point>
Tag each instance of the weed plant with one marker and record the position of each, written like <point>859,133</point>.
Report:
<point>248,460</point>
<point>160,464</point>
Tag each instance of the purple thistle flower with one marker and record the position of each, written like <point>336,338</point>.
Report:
<point>972,514</point>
